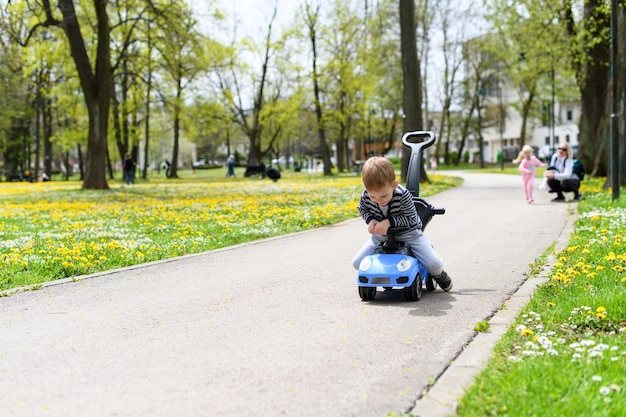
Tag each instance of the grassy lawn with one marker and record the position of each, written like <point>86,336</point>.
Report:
<point>56,230</point>
<point>566,353</point>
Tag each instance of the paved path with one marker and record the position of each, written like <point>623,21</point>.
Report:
<point>270,328</point>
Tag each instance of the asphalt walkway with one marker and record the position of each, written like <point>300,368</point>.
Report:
<point>276,327</point>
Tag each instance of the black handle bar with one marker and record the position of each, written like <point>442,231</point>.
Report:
<point>412,140</point>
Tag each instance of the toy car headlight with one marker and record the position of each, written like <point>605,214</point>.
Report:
<point>365,264</point>
<point>404,264</point>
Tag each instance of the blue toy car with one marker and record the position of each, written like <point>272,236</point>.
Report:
<point>392,266</point>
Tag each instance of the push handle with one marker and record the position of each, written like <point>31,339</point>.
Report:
<point>417,141</point>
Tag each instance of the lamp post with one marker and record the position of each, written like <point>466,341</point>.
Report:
<point>615,157</point>
<point>551,116</point>
<point>480,93</point>
<point>501,123</point>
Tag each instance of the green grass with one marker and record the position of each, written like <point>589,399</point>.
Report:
<point>56,230</point>
<point>566,353</point>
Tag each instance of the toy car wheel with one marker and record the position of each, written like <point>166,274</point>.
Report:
<point>431,285</point>
<point>414,292</point>
<point>367,293</point>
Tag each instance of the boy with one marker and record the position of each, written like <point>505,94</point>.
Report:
<point>384,204</point>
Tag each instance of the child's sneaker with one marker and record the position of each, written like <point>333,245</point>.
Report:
<point>444,281</point>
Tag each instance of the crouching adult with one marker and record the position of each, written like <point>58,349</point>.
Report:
<point>560,175</point>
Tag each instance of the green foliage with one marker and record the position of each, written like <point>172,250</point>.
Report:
<point>482,326</point>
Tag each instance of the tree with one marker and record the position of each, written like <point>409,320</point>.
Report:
<point>257,91</point>
<point>453,22</point>
<point>14,100</point>
<point>96,81</point>
<point>590,54</point>
<point>412,84</point>
<point>311,16</point>
<point>183,54</point>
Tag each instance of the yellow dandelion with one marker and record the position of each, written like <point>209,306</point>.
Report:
<point>526,332</point>
<point>551,304</point>
<point>601,316</point>
<point>600,310</point>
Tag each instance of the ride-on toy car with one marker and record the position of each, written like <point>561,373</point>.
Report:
<point>392,266</point>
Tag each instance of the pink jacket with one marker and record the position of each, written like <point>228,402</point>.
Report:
<point>528,166</point>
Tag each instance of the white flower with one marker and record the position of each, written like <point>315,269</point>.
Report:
<point>605,391</point>
<point>596,378</point>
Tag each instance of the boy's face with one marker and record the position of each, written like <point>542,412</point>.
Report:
<point>382,196</point>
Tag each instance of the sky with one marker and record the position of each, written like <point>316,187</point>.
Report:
<point>251,17</point>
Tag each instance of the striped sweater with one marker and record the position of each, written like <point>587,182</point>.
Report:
<point>401,209</point>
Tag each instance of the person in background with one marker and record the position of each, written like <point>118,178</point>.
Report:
<point>230,164</point>
<point>385,203</point>
<point>129,169</point>
<point>560,175</point>
<point>528,164</point>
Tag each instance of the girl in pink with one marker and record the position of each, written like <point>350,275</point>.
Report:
<point>527,166</point>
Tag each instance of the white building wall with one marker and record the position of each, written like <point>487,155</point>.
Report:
<point>567,117</point>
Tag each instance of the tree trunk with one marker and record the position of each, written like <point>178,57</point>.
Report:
<point>593,77</point>
<point>412,95</point>
<point>96,87</point>
<point>173,172</point>
<point>312,23</point>
<point>80,162</point>
<point>47,134</point>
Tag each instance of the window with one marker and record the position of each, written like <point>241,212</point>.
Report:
<point>570,116</point>
<point>548,140</point>
<point>567,138</point>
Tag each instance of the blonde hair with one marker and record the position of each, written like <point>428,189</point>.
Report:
<point>377,172</point>
<point>570,152</point>
<point>527,150</point>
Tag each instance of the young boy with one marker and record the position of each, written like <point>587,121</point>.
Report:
<point>384,204</point>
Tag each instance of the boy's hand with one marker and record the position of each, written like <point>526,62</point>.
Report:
<point>381,227</point>
<point>371,226</point>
